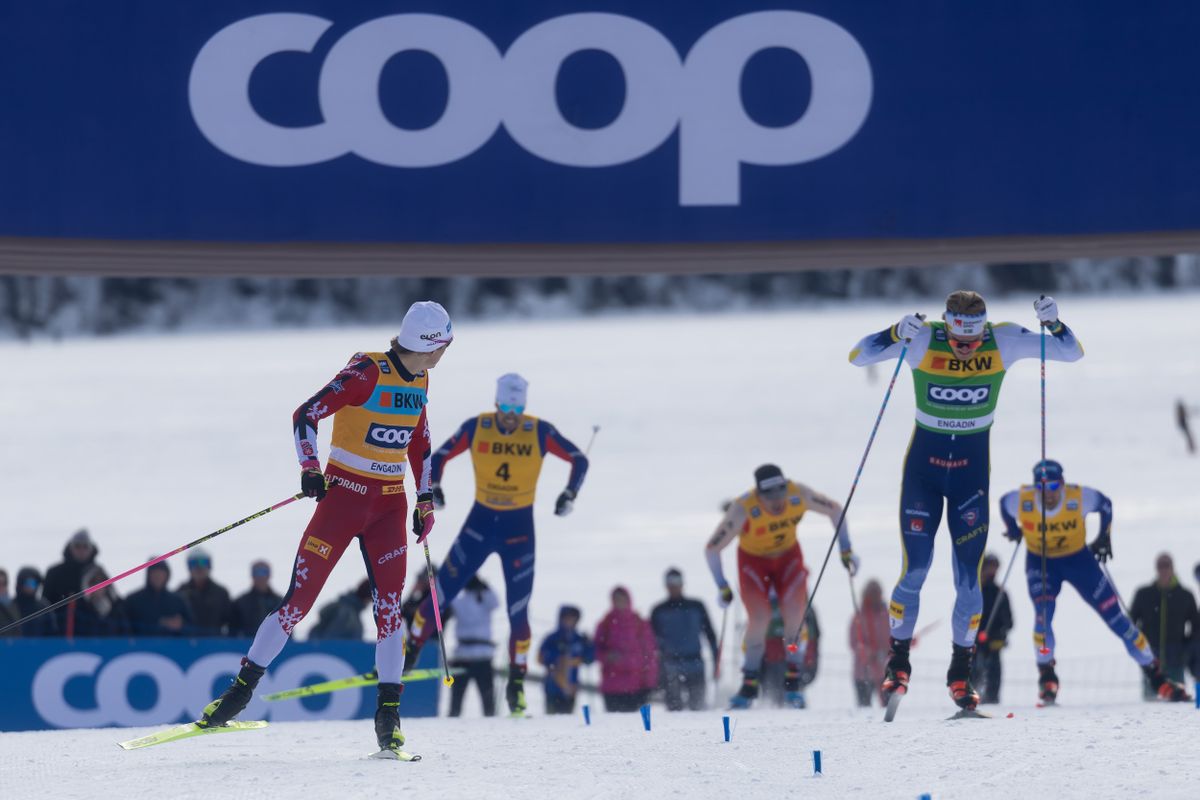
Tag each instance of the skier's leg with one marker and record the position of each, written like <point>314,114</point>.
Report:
<point>459,689</point>
<point>753,583</point>
<point>673,677</point>
<point>968,522</point>
<point>515,545</point>
<point>485,678</point>
<point>1082,572</point>
<point>1044,599</point>
<point>385,555</point>
<point>334,523</point>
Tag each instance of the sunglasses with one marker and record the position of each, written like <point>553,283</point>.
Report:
<point>972,345</point>
<point>509,408</point>
<point>199,562</point>
<point>1050,486</point>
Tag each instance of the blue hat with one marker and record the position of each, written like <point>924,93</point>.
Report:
<point>1054,470</point>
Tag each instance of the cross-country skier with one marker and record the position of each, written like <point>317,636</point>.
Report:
<point>1070,558</point>
<point>507,449</point>
<point>957,364</point>
<point>764,522</point>
<point>378,401</point>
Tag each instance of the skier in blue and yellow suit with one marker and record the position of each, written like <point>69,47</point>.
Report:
<point>507,450</point>
<point>1070,558</point>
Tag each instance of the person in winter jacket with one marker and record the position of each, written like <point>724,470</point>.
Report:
<point>628,655</point>
<point>986,672</point>
<point>27,600</point>
<point>157,611</point>
<point>1166,613</point>
<point>679,624</point>
<point>8,611</point>
<point>342,619</point>
<point>66,578</point>
<point>250,609</point>
<point>473,609</point>
<point>207,600</point>
<point>561,653</point>
<point>869,641</point>
<point>101,613</point>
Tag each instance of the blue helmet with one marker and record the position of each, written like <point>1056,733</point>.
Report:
<point>1053,470</point>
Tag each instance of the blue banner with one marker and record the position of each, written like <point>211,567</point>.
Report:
<point>606,121</point>
<point>96,683</point>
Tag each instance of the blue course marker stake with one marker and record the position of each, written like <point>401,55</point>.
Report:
<point>1197,694</point>
<point>925,797</point>
<point>816,762</point>
<point>645,709</point>
<point>725,722</point>
<point>587,714</point>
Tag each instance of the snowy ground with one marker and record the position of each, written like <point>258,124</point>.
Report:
<point>151,442</point>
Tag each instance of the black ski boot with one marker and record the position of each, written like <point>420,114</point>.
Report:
<point>234,699</point>
<point>895,679</point>
<point>958,678</point>
<point>514,692</point>
<point>387,718</point>
<point>1047,684</point>
<point>1164,687</point>
<point>748,693</point>
<point>793,694</point>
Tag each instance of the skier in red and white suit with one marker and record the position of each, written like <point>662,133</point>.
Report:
<point>378,402</point>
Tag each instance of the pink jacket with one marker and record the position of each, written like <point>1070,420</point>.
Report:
<point>870,639</point>
<point>627,651</point>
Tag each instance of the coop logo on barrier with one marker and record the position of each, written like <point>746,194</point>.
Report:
<point>699,95</point>
<point>179,691</point>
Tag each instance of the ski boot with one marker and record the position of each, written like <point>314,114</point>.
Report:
<point>514,692</point>
<point>1047,684</point>
<point>747,694</point>
<point>958,678</point>
<point>234,699</point>
<point>895,679</point>
<point>387,718</point>
<point>1164,687</point>
<point>793,697</point>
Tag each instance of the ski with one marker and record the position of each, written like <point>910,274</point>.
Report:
<point>188,730</point>
<point>893,705</point>
<point>970,713</point>
<point>365,679</point>
<point>395,755</point>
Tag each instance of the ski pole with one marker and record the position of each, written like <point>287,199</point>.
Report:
<point>1044,650</point>
<point>150,563</point>
<point>1120,600</point>
<point>447,678</point>
<point>987,629</point>
<point>720,645</point>
<point>793,645</point>
<point>591,441</point>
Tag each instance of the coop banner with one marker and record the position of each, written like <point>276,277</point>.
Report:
<point>605,121</point>
<point>96,683</point>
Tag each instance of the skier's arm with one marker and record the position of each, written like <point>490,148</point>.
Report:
<point>1016,343</point>
<point>1099,503</point>
<point>1008,512</point>
<point>558,445</point>
<point>419,454</point>
<point>727,531</point>
<point>457,444</point>
<point>832,509</point>
<point>887,344</point>
<point>352,386</point>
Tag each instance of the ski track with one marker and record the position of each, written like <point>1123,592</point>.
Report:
<point>159,440</point>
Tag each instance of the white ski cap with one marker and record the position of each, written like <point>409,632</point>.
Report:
<point>970,325</point>
<point>425,328</point>
<point>511,389</point>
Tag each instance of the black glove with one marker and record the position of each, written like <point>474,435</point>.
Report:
<point>1012,534</point>
<point>423,516</point>
<point>439,499</point>
<point>312,484</point>
<point>564,503</point>
<point>1102,547</point>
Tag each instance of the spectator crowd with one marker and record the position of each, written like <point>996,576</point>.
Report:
<point>637,656</point>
